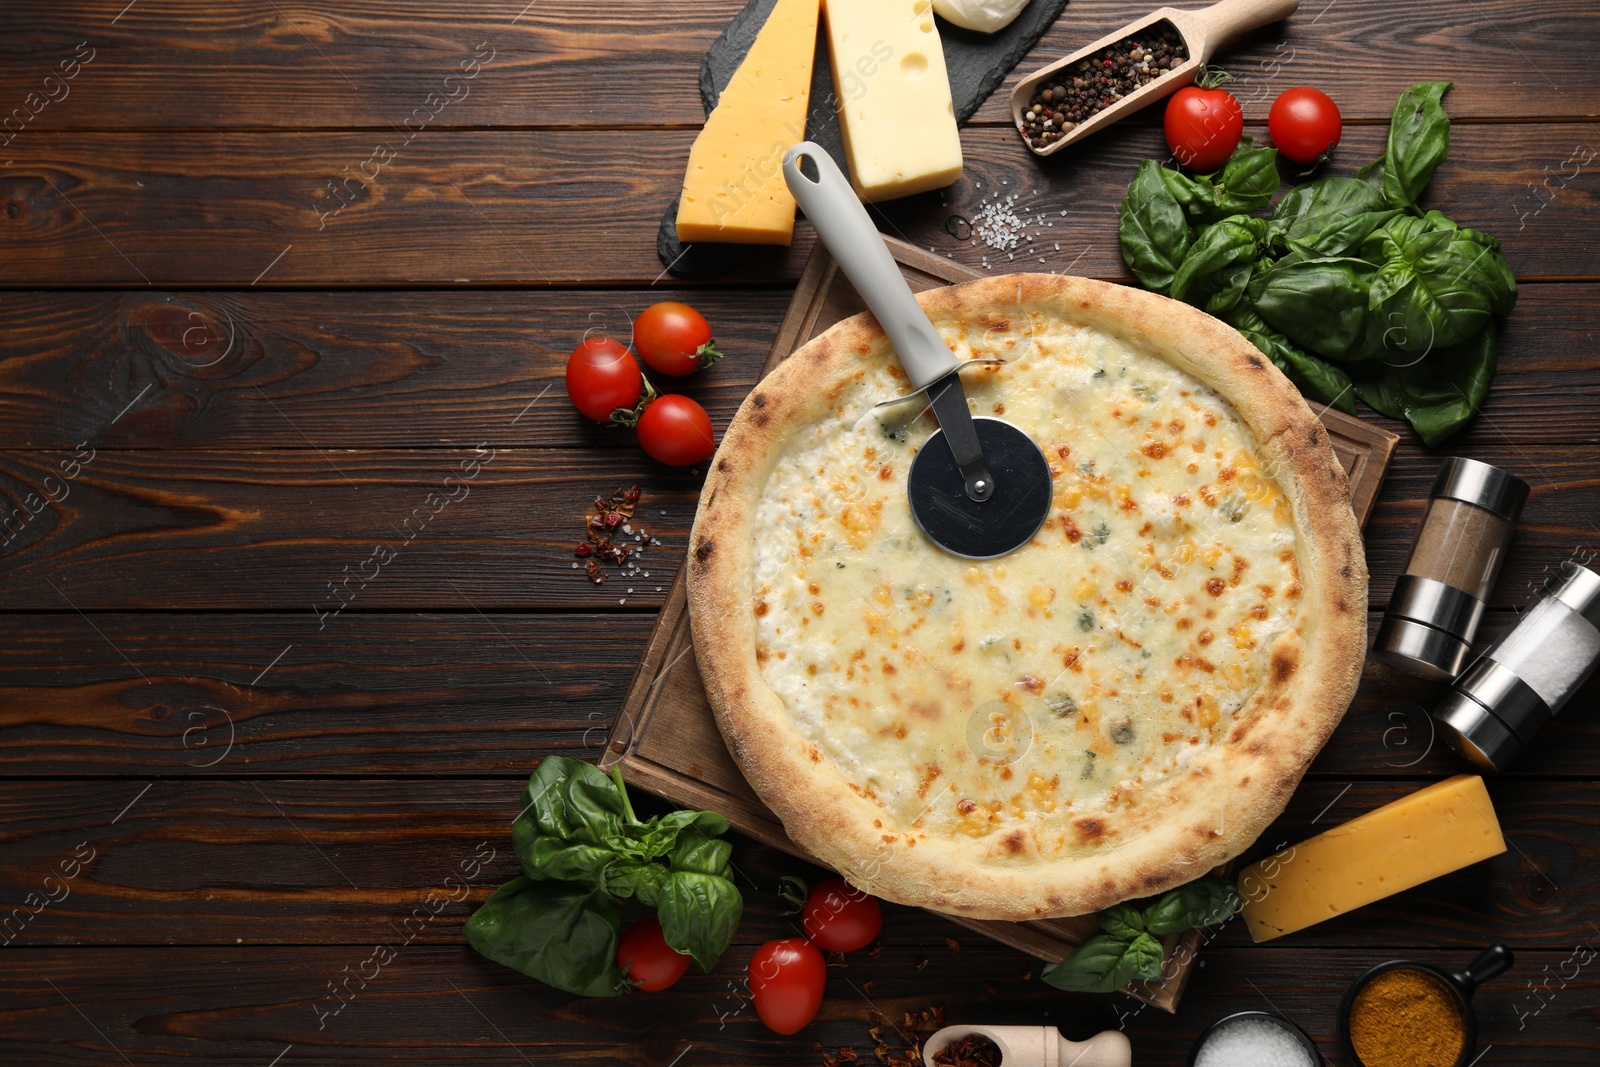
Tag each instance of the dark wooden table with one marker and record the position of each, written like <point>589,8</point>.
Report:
<point>274,666</point>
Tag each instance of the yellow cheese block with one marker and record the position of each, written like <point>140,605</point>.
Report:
<point>1434,831</point>
<point>893,97</point>
<point>733,190</point>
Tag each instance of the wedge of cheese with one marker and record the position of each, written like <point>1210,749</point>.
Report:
<point>893,97</point>
<point>1434,831</point>
<point>733,190</point>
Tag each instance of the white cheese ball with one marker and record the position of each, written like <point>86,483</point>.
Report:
<point>985,16</point>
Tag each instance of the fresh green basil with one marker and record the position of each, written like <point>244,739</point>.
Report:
<point>1419,140</point>
<point>1153,230</point>
<point>1121,920</point>
<point>699,914</point>
<point>1217,267</point>
<point>1106,963</point>
<point>578,836</point>
<point>1348,272</point>
<point>1205,902</point>
<point>1128,950</point>
<point>1328,217</point>
<point>1246,182</point>
<point>1321,305</point>
<point>1438,393</point>
<point>561,933</point>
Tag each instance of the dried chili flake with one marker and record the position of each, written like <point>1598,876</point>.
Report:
<point>974,1050</point>
<point>955,947</point>
<point>600,526</point>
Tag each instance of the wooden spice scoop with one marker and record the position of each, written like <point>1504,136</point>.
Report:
<point>1039,1046</point>
<point>1203,31</point>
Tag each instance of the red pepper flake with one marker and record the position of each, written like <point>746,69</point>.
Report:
<point>867,985</point>
<point>836,959</point>
<point>974,1050</point>
<point>955,947</point>
<point>601,528</point>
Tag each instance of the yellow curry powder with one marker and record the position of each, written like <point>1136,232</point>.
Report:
<point>1406,1018</point>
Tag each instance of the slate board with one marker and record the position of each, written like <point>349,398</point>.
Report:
<point>977,63</point>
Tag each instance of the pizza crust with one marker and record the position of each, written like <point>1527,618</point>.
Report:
<point>1188,823</point>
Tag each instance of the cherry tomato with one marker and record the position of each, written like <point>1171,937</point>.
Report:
<point>649,962</point>
<point>786,980</point>
<point>674,338</point>
<point>1203,126</point>
<point>676,431</point>
<point>1304,123</point>
<point>601,377</point>
<point>839,917</point>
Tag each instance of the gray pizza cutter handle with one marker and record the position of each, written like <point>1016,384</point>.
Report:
<point>850,236</point>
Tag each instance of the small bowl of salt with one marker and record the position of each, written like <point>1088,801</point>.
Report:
<point>1254,1039</point>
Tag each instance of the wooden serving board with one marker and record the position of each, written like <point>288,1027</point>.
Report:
<point>667,741</point>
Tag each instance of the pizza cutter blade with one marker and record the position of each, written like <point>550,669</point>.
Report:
<point>979,487</point>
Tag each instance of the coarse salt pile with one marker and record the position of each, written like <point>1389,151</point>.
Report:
<point>998,225</point>
<point>1254,1041</point>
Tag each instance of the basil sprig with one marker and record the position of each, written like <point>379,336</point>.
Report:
<point>582,848</point>
<point>1128,950</point>
<point>1348,287</point>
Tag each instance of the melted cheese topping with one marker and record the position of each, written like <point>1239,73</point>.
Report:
<point>1060,681</point>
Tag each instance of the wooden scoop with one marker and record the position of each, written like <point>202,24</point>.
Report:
<point>1039,1046</point>
<point>1203,31</point>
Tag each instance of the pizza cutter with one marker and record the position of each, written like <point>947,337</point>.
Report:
<point>979,487</point>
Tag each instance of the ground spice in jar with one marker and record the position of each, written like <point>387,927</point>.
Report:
<point>1406,1018</point>
<point>1461,545</point>
<point>1092,84</point>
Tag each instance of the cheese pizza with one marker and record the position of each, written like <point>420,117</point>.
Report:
<point>1113,709</point>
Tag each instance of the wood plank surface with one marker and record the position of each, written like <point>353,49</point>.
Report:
<point>135,530</point>
<point>350,855</point>
<point>440,1004</point>
<point>566,63</point>
<point>372,693</point>
<point>237,352</point>
<point>554,207</point>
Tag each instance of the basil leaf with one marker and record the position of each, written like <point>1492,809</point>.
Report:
<point>1419,140</point>
<point>1153,230</point>
<point>1437,287</point>
<point>1204,902</point>
<point>706,855</point>
<point>1372,174</point>
<point>1217,268</point>
<point>1321,305</point>
<point>1438,393</point>
<point>1246,182</point>
<point>1106,963</point>
<point>551,857</point>
<point>641,881</point>
<point>570,803</point>
<point>563,934</point>
<point>699,914</point>
<point>1314,377</point>
<point>1122,920</point>
<point>1328,217</point>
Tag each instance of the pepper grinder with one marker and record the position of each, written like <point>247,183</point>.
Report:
<point>1439,601</point>
<point>1524,678</point>
<point>1039,1046</point>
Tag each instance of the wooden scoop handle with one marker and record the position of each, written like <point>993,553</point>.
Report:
<point>1220,23</point>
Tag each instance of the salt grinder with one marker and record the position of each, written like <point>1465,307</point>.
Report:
<point>1524,678</point>
<point>1438,602</point>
